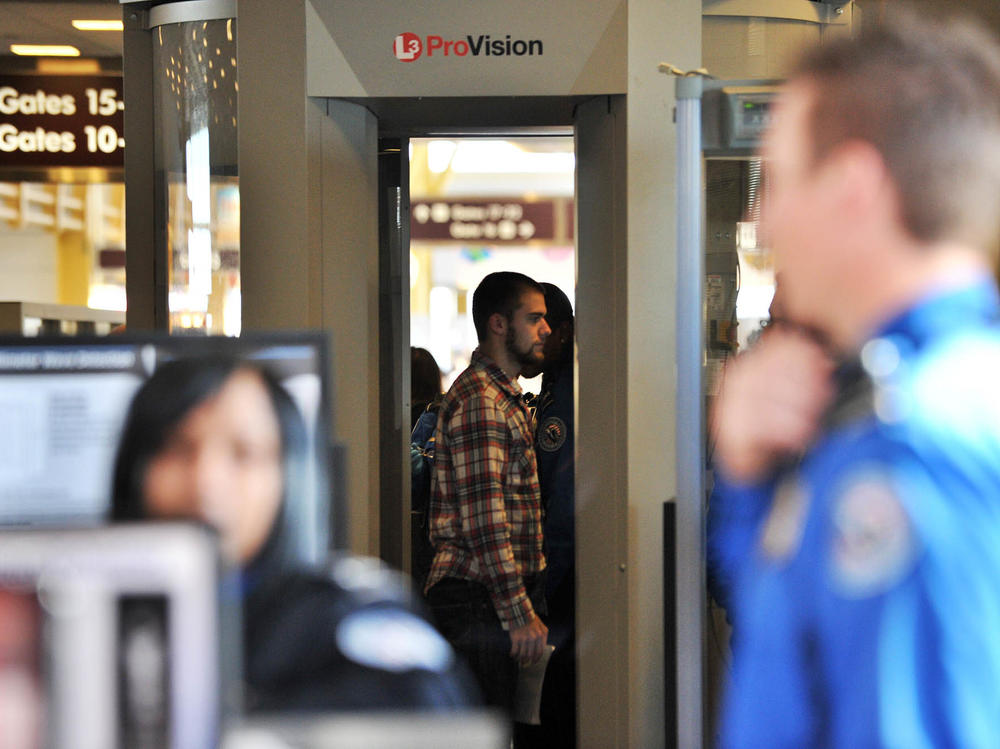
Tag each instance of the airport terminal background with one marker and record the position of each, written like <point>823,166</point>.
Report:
<point>478,203</point>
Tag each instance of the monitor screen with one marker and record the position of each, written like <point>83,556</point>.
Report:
<point>63,402</point>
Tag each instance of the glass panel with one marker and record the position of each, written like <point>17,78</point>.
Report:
<point>196,92</point>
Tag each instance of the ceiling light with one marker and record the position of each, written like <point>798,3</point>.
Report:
<point>475,156</point>
<point>67,66</point>
<point>98,25</point>
<point>439,155</point>
<point>45,50</point>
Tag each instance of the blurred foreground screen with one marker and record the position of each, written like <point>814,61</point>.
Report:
<point>109,637</point>
<point>63,402</point>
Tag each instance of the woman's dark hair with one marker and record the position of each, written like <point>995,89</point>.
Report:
<point>425,375</point>
<point>425,381</point>
<point>163,402</point>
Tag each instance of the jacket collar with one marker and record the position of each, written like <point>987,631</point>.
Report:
<point>945,311</point>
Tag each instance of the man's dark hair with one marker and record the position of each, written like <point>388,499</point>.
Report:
<point>559,310</point>
<point>501,293</point>
<point>927,97</point>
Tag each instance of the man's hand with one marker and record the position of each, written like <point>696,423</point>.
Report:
<point>770,404</point>
<point>528,641</point>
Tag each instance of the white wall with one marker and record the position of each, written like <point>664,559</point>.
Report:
<point>658,31</point>
<point>309,232</point>
<point>30,266</point>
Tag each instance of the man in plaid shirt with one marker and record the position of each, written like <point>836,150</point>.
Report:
<point>486,586</point>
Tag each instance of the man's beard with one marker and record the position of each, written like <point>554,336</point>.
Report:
<point>523,358</point>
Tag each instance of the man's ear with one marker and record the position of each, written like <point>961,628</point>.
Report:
<point>859,171</point>
<point>497,324</point>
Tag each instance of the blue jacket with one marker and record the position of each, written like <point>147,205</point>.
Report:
<point>865,579</point>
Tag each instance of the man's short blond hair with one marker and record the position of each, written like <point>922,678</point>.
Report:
<point>927,96</point>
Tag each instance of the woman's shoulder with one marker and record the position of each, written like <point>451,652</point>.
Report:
<point>320,598</point>
<point>351,636</point>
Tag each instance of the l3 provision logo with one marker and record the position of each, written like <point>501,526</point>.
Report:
<point>409,47</point>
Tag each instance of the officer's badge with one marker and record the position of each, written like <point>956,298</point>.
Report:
<point>552,434</point>
<point>873,541</point>
<point>785,522</point>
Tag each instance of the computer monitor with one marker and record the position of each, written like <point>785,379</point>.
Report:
<point>111,637</point>
<point>64,400</point>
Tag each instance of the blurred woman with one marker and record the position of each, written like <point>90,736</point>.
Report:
<point>220,441</point>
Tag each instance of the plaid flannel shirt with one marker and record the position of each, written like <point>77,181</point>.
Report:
<point>486,522</point>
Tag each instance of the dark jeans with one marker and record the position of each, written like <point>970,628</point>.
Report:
<point>464,614</point>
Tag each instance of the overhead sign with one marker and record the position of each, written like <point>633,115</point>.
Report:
<point>399,48</point>
<point>484,221</point>
<point>409,47</point>
<point>61,121</point>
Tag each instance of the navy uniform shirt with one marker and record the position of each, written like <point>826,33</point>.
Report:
<point>554,451</point>
<point>866,578</point>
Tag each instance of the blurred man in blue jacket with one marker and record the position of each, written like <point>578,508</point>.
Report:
<point>861,505</point>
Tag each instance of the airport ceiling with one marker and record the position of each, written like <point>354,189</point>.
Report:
<point>43,22</point>
<point>48,21</point>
